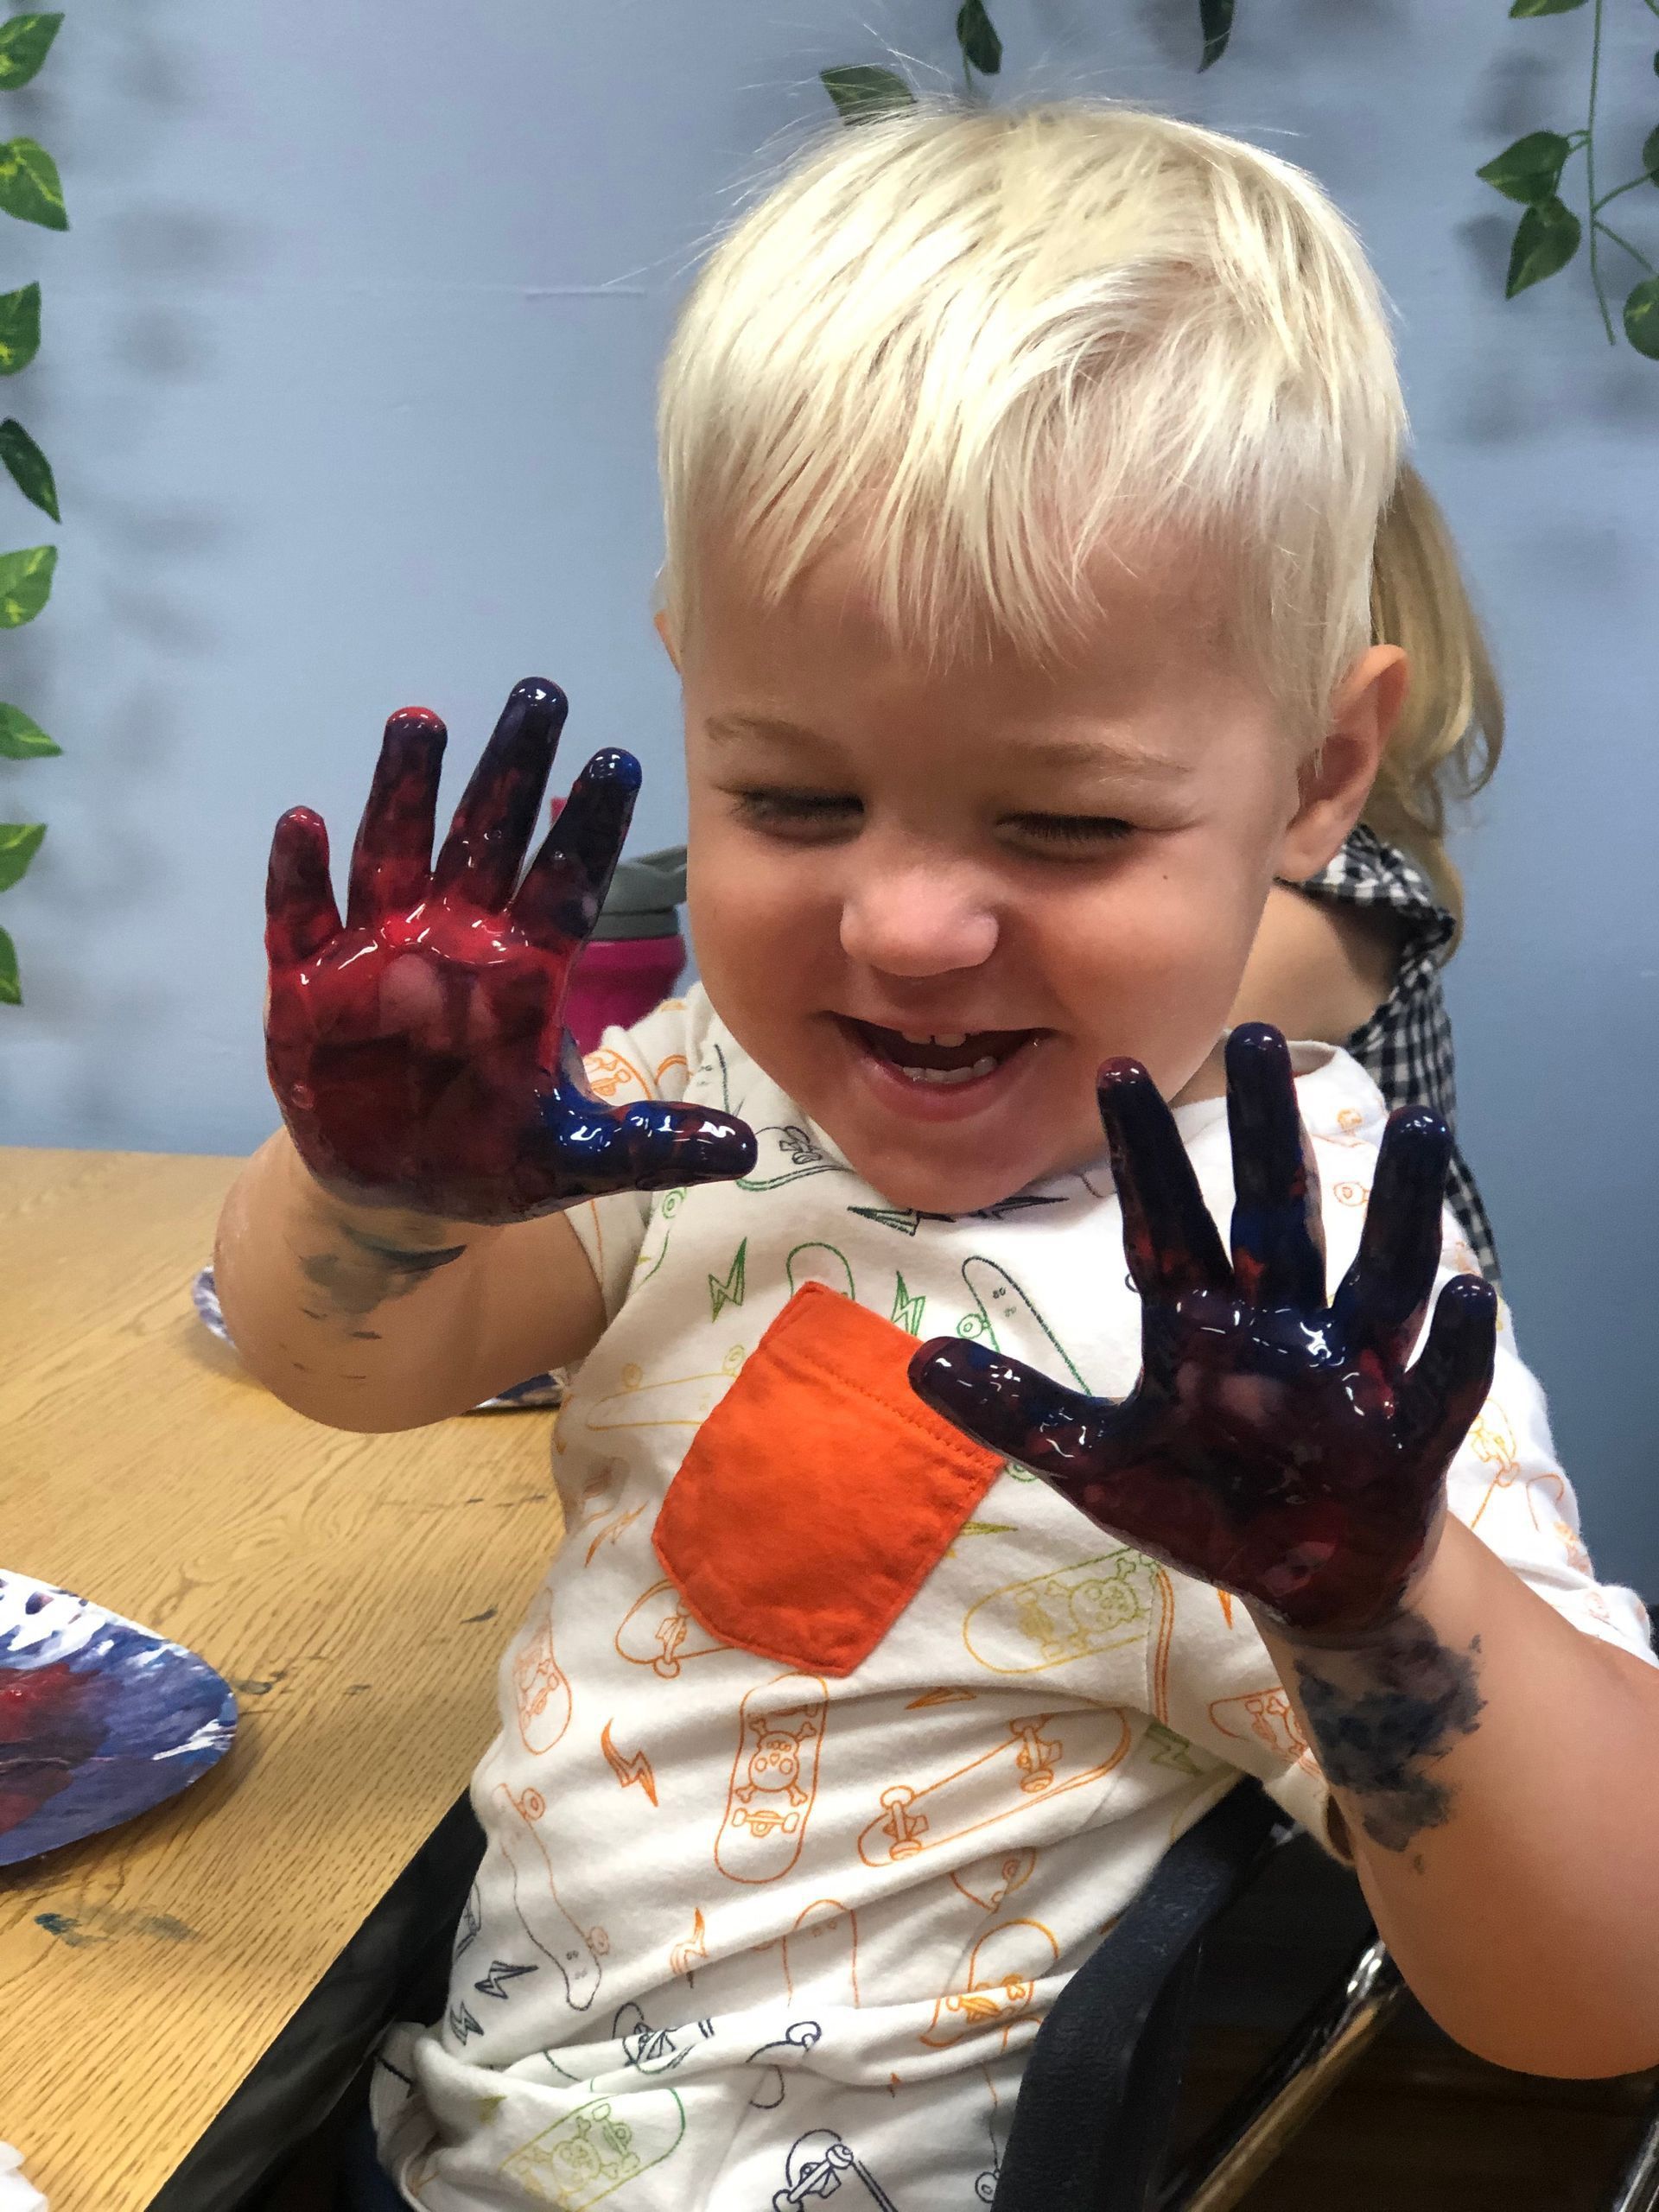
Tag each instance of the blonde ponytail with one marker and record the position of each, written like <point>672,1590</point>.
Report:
<point>1446,745</point>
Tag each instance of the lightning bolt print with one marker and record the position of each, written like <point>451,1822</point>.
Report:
<point>728,1290</point>
<point>628,1771</point>
<point>906,1309</point>
<point>500,1970</point>
<point>611,1530</point>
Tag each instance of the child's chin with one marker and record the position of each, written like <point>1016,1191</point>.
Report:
<point>920,1176</point>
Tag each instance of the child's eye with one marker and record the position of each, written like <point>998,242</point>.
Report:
<point>1064,834</point>
<point>797,813</point>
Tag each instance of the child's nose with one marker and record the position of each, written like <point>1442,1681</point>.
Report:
<point>916,921</point>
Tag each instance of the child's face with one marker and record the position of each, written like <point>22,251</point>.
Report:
<point>1035,869</point>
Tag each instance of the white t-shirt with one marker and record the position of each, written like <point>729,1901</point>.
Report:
<point>749,1931</point>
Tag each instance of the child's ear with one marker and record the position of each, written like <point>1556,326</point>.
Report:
<point>660,619</point>
<point>1336,782</point>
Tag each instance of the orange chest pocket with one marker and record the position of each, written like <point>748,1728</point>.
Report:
<point>821,1492</point>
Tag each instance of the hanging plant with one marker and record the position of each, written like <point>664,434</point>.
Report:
<point>1550,232</point>
<point>1216,21</point>
<point>861,91</point>
<point>30,192</point>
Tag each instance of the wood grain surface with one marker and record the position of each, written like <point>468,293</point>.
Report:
<point>357,1591</point>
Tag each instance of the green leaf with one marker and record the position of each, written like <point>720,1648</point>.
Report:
<point>21,738</point>
<point>11,991</point>
<point>25,584</point>
<point>1531,168</point>
<point>1216,19</point>
<point>1545,241</point>
<point>1650,152</point>
<point>20,329</point>
<point>25,41</point>
<point>1545,7</point>
<point>860,93</point>
<point>1642,318</point>
<point>976,37</point>
<point>19,843</point>
<point>28,185</point>
<point>31,471</point>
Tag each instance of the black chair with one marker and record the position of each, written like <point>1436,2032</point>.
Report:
<point>1092,2122</point>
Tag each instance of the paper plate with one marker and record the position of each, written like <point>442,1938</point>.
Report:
<point>98,1719</point>
<point>539,1390</point>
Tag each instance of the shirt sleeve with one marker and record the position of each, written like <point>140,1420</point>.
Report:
<point>654,1059</point>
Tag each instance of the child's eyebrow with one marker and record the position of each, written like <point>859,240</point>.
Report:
<point>1101,753</point>
<point>737,725</point>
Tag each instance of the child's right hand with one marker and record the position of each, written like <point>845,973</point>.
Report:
<point>416,1052</point>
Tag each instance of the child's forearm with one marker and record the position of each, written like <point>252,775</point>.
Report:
<point>362,1317</point>
<point>1497,1772</point>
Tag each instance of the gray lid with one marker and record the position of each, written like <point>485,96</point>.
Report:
<point>644,897</point>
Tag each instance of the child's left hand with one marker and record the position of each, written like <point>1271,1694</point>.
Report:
<point>1274,1446</point>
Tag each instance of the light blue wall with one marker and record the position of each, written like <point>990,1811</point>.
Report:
<point>347,376</point>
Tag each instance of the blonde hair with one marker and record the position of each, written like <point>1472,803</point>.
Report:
<point>995,341</point>
<point>1445,747</point>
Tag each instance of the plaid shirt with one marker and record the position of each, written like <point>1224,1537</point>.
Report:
<point>1405,1046</point>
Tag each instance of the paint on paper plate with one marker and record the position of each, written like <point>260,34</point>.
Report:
<point>99,1719</point>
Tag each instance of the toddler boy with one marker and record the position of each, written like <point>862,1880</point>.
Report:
<point>1022,471</point>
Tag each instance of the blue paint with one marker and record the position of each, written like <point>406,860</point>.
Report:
<point>99,1720</point>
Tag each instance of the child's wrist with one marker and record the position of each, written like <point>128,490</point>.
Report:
<point>1373,1628</point>
<point>392,1226</point>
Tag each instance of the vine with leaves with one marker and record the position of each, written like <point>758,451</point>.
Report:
<point>861,91</point>
<point>30,192</point>
<point>1550,232</point>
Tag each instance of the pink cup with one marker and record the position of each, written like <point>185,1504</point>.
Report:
<point>636,954</point>
<point>619,982</point>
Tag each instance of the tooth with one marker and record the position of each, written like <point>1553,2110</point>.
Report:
<point>952,1039</point>
<point>970,1074</point>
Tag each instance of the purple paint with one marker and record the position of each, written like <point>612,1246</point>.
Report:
<point>1275,1446</point>
<point>99,1720</point>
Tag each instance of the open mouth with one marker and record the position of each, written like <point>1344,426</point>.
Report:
<point>944,1060</point>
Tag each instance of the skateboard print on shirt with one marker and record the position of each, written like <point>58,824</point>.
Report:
<point>774,1778</point>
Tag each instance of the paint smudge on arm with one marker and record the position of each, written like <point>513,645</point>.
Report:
<point>359,1270</point>
<point>1382,1715</point>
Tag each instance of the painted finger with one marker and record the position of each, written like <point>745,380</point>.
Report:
<point>651,1146</point>
<point>1016,1410</point>
<point>391,860</point>
<point>1380,1306</point>
<point>482,855</point>
<point>1170,1241</point>
<point>1440,1397</point>
<point>1278,1252</point>
<point>300,915</point>
<point>559,899</point>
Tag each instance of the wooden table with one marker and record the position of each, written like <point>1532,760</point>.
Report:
<point>356,1590</point>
